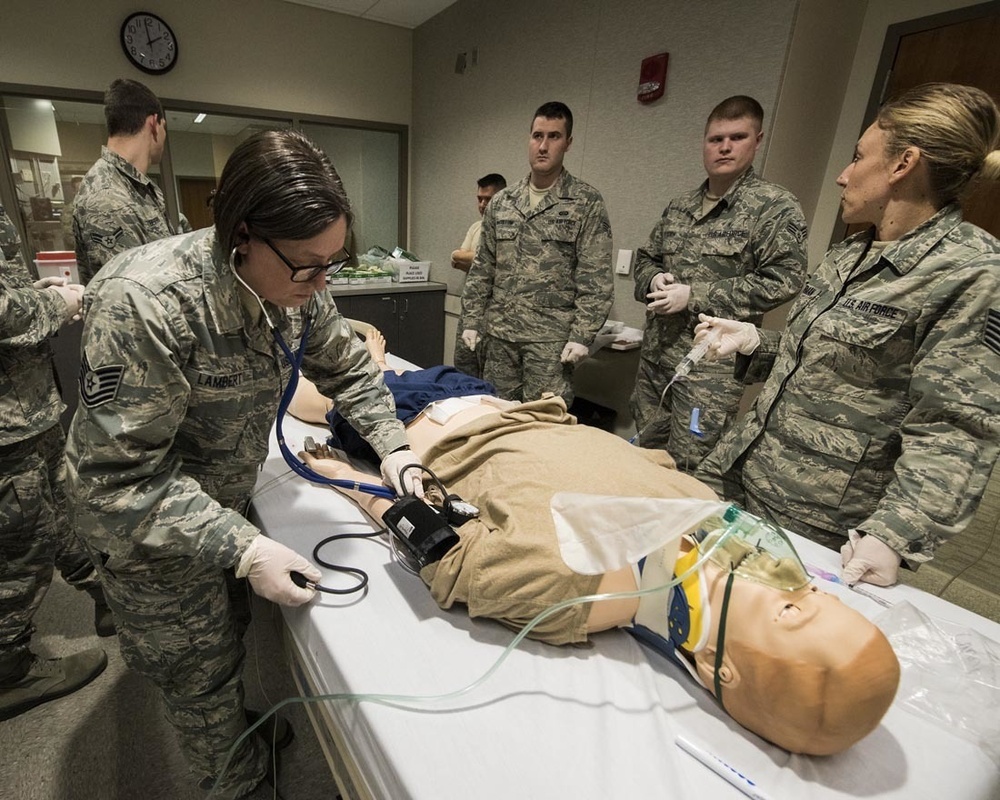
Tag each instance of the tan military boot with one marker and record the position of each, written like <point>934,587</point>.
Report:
<point>49,678</point>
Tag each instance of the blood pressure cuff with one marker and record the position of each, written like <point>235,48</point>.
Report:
<point>421,530</point>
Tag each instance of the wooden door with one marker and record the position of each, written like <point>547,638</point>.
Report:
<point>957,47</point>
<point>194,195</point>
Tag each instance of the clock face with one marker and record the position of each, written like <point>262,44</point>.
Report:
<point>149,43</point>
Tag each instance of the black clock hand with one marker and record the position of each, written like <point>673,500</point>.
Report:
<point>148,43</point>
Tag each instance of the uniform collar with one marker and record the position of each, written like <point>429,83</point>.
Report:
<point>906,252</point>
<point>223,297</point>
<point>125,167</point>
<point>727,197</point>
<point>563,189</point>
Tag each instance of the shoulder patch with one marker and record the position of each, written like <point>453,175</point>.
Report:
<point>99,386</point>
<point>107,240</point>
<point>991,331</point>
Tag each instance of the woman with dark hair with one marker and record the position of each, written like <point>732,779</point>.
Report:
<point>876,429</point>
<point>183,369</point>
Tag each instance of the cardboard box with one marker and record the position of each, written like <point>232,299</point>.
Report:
<point>411,271</point>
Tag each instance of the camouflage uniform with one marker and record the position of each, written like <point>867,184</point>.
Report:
<point>466,360</point>
<point>744,257</point>
<point>116,208</point>
<point>541,278</point>
<point>180,385</point>
<point>881,409</point>
<point>34,531</point>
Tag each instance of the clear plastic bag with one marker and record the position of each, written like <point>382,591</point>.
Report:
<point>950,674</point>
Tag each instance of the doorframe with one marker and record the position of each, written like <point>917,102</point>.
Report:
<point>900,29</point>
<point>883,71</point>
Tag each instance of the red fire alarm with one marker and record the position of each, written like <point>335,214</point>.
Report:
<point>652,78</point>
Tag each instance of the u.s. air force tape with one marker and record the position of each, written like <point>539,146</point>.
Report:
<point>991,333</point>
<point>99,386</point>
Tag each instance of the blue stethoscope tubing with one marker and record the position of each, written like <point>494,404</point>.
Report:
<point>298,467</point>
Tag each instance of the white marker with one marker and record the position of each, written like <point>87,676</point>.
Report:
<point>721,768</point>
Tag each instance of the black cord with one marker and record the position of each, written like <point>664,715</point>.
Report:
<point>300,580</point>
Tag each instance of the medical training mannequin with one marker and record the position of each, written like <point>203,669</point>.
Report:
<point>798,667</point>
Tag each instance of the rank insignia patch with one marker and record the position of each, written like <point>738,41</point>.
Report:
<point>99,386</point>
<point>991,333</point>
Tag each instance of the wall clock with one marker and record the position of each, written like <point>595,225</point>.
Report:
<point>149,43</point>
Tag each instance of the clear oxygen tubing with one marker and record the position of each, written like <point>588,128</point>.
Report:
<point>295,362</point>
<point>410,700</point>
<point>694,355</point>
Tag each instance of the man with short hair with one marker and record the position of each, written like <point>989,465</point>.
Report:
<point>541,285</point>
<point>467,360</point>
<point>734,247</point>
<point>118,206</point>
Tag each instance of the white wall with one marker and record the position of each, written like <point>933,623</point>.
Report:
<point>252,53</point>
<point>586,53</point>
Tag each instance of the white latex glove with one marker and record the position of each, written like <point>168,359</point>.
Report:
<point>574,352</point>
<point>71,294</point>
<point>732,336</point>
<point>867,559</point>
<point>412,480</point>
<point>470,338</point>
<point>44,283</point>
<point>269,564</point>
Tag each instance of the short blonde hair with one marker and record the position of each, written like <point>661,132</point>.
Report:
<point>955,127</point>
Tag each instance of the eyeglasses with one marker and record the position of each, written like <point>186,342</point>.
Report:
<point>306,274</point>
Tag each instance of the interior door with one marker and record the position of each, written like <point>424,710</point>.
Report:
<point>962,51</point>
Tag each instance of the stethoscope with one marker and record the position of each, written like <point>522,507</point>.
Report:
<point>295,362</point>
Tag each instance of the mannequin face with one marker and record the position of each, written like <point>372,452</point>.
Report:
<point>800,668</point>
<point>267,275</point>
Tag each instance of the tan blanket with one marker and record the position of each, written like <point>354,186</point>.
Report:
<point>507,565</point>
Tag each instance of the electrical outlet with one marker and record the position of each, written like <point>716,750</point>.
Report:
<point>623,264</point>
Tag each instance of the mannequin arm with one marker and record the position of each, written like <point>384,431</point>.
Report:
<point>373,506</point>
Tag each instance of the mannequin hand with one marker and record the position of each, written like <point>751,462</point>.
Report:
<point>412,480</point>
<point>574,352</point>
<point>268,565</point>
<point>660,281</point>
<point>867,559</point>
<point>671,300</point>
<point>470,338</point>
<point>733,336</point>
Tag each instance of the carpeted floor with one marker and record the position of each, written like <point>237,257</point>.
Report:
<point>109,741</point>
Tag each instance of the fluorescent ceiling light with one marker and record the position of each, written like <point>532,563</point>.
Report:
<point>200,118</point>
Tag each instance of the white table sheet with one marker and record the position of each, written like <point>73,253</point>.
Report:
<point>591,722</point>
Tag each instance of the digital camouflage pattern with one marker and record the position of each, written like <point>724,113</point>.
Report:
<point>746,256</point>
<point>881,410</point>
<point>541,275</point>
<point>174,358</point>
<point>117,207</point>
<point>29,403</point>
<point>34,531</point>
<point>180,385</point>
<point>525,371</point>
<point>176,627</point>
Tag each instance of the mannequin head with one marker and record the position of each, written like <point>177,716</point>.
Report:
<point>799,668</point>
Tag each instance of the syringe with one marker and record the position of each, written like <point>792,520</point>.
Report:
<point>695,354</point>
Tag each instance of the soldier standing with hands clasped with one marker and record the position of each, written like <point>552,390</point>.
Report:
<point>735,246</point>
